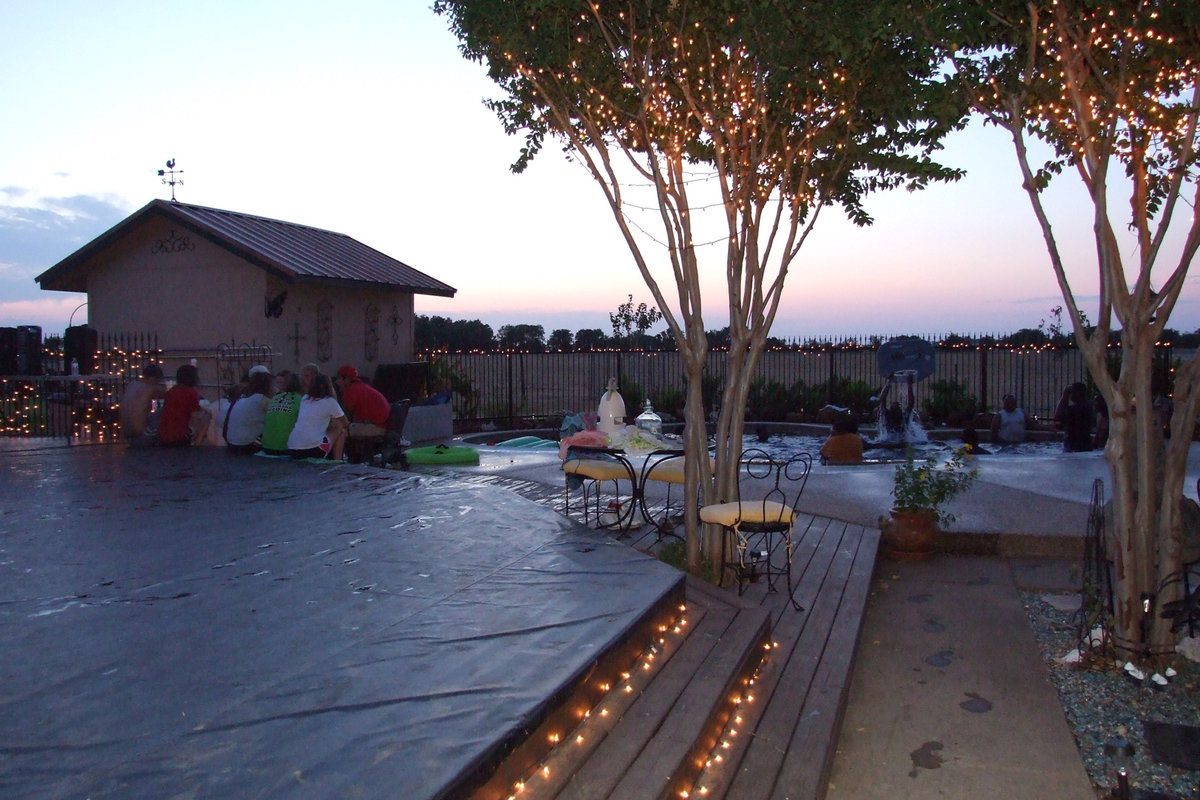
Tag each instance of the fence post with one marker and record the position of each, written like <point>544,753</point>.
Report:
<point>983,383</point>
<point>832,372</point>
<point>508,358</point>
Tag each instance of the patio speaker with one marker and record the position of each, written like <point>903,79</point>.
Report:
<point>8,351</point>
<point>29,349</point>
<point>407,381</point>
<point>79,344</point>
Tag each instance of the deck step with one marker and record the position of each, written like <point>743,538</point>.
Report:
<point>651,742</point>
<point>786,733</point>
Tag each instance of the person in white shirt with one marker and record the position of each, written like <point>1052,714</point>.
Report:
<point>1009,423</point>
<point>320,430</point>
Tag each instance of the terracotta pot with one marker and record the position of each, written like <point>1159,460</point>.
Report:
<point>910,534</point>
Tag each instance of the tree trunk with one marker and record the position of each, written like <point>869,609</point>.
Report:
<point>1147,478</point>
<point>697,480</point>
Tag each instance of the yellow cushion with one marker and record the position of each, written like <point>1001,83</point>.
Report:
<point>596,469</point>
<point>669,471</point>
<point>750,511</point>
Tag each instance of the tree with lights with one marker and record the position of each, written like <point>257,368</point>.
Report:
<point>1111,87</point>
<point>771,110</point>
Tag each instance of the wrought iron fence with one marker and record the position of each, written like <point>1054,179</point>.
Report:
<point>58,402</point>
<point>527,389</point>
<point>535,389</point>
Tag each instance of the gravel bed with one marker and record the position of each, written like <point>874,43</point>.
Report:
<point>1102,704</point>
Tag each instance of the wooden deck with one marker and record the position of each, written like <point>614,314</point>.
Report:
<point>749,705</point>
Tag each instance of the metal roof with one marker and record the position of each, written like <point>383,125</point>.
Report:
<point>295,252</point>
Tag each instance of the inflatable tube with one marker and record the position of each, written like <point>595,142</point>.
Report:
<point>441,454</point>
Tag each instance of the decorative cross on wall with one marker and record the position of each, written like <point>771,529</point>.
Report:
<point>296,339</point>
<point>394,320</point>
<point>324,331</point>
<point>371,333</point>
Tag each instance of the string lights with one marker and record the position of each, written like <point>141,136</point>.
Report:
<point>82,408</point>
<point>730,744</point>
<point>565,748</point>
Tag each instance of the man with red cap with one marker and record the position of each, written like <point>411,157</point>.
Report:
<point>366,406</point>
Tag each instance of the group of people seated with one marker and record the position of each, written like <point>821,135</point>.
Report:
<point>1084,425</point>
<point>284,414</point>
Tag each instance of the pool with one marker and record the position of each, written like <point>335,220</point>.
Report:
<point>781,445</point>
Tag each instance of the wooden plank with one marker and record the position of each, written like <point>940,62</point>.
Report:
<point>800,692</point>
<point>678,750</point>
<point>620,748</point>
<point>662,727</point>
<point>805,549</point>
<point>820,719</point>
<point>818,546</point>
<point>578,745</point>
<point>787,684</point>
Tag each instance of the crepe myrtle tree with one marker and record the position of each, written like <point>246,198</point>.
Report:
<point>1111,87</point>
<point>786,108</point>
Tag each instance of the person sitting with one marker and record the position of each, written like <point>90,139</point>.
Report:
<point>307,373</point>
<point>137,404</point>
<point>895,420</point>
<point>365,406</point>
<point>970,440</point>
<point>320,430</point>
<point>1100,439</point>
<point>1010,423</point>
<point>844,445</point>
<point>281,413</point>
<point>183,420</point>
<point>1074,413</point>
<point>243,426</point>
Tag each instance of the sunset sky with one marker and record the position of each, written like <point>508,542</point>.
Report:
<point>363,118</point>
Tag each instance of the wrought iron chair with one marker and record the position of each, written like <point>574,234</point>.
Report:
<point>388,448</point>
<point>758,529</point>
<point>594,466</point>
<point>666,468</point>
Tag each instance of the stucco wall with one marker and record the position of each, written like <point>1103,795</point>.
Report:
<point>332,326</point>
<point>195,295</point>
<point>168,280</point>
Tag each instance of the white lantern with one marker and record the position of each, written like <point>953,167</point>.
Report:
<point>612,409</point>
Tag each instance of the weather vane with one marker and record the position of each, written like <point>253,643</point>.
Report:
<point>168,176</point>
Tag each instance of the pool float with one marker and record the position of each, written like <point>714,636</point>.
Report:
<point>442,454</point>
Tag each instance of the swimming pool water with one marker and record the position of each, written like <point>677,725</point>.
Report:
<point>783,446</point>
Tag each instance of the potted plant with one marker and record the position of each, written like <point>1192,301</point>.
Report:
<point>921,488</point>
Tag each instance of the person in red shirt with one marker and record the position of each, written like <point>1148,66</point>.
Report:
<point>183,421</point>
<point>366,406</point>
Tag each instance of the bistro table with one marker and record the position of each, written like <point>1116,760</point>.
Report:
<point>596,465</point>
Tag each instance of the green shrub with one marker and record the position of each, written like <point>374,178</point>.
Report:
<point>770,401</point>
<point>948,402</point>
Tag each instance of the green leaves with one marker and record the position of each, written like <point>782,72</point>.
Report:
<point>928,485</point>
<point>818,102</point>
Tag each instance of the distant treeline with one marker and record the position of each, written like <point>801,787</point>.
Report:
<point>434,333</point>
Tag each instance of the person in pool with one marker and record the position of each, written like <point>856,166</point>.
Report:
<point>1010,423</point>
<point>844,445</point>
